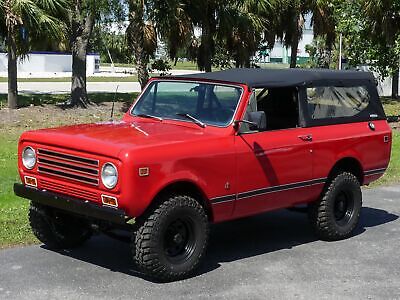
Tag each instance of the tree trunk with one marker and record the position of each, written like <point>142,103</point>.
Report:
<point>81,32</point>
<point>175,61</point>
<point>12,71</point>
<point>247,63</point>
<point>136,40</point>
<point>206,40</point>
<point>395,84</point>
<point>78,80</point>
<point>141,69</point>
<point>293,55</point>
<point>237,62</point>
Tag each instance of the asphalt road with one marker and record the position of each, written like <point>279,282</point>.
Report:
<point>65,87</point>
<point>271,256</point>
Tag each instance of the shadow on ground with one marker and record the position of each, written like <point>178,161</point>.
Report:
<point>229,241</point>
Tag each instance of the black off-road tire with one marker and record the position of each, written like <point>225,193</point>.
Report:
<point>162,233</point>
<point>336,214</point>
<point>57,230</point>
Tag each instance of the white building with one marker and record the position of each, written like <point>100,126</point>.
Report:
<point>49,62</point>
<point>281,54</point>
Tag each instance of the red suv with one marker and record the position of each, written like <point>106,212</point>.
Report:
<point>206,148</point>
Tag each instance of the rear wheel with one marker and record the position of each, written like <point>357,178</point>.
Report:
<point>56,229</point>
<point>171,242</point>
<point>337,213</point>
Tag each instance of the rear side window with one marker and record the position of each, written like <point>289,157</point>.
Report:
<point>327,102</point>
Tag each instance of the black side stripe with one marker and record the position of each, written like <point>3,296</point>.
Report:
<point>374,172</point>
<point>284,187</point>
<point>222,199</point>
<point>268,190</point>
<point>279,188</point>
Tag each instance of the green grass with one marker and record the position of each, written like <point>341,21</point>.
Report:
<point>14,227</point>
<point>184,65</point>
<point>392,174</point>
<point>40,99</point>
<point>392,106</point>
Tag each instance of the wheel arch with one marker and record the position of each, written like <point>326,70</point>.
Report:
<point>347,164</point>
<point>184,187</point>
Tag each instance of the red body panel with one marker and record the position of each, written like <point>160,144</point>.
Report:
<point>356,140</point>
<point>269,159</point>
<point>238,175</point>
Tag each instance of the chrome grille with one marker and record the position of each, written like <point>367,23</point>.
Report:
<point>75,168</point>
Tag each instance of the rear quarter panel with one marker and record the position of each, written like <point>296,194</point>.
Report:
<point>355,140</point>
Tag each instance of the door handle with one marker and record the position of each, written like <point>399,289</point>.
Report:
<point>306,138</point>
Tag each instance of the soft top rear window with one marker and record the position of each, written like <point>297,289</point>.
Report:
<point>327,102</point>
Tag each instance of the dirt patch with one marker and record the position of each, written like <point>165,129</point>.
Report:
<point>35,117</point>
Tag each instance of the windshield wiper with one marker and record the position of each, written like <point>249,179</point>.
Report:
<point>190,117</point>
<point>149,117</point>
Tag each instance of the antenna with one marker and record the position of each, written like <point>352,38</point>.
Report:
<point>112,108</point>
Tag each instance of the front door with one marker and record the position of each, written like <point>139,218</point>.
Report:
<point>274,170</point>
<point>274,166</point>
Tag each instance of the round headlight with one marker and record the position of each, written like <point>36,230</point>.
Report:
<point>109,175</point>
<point>28,157</point>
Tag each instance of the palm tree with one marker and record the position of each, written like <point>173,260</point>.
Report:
<point>204,14</point>
<point>80,20</point>
<point>324,21</point>
<point>22,21</point>
<point>289,24</point>
<point>174,24</point>
<point>234,25</point>
<point>384,26</point>
<point>237,25</point>
<point>324,24</point>
<point>141,38</point>
<point>241,24</point>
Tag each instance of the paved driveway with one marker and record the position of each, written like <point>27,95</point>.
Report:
<point>271,256</point>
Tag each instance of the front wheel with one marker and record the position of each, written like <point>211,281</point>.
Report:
<point>336,214</point>
<point>171,242</point>
<point>56,229</point>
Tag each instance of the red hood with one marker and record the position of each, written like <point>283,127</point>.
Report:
<point>109,138</point>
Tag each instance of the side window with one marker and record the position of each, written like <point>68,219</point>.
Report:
<point>328,102</point>
<point>251,107</point>
<point>281,107</point>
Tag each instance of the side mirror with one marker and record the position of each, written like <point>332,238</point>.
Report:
<point>256,121</point>
<point>259,120</point>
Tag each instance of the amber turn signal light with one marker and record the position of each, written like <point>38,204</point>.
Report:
<point>110,201</point>
<point>144,172</point>
<point>30,181</point>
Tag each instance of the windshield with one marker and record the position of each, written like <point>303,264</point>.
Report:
<point>211,104</point>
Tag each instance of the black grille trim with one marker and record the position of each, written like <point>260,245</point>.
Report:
<point>68,175</point>
<point>68,166</point>
<point>88,161</point>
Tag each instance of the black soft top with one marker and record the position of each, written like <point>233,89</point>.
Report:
<point>263,78</point>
